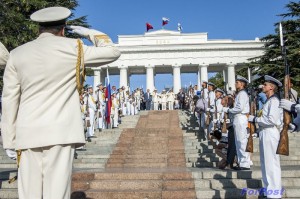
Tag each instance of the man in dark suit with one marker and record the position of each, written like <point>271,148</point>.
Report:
<point>181,99</point>
<point>148,99</point>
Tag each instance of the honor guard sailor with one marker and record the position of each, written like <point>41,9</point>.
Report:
<point>270,124</point>
<point>41,116</point>
<point>240,122</point>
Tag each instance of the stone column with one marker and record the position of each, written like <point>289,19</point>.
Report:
<point>249,75</point>
<point>123,76</point>
<point>231,76</point>
<point>150,78</point>
<point>225,78</point>
<point>176,79</point>
<point>97,78</point>
<point>203,72</point>
<point>199,79</point>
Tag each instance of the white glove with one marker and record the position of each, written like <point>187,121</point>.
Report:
<point>215,121</point>
<point>12,154</point>
<point>207,109</point>
<point>292,127</point>
<point>82,31</point>
<point>212,110</point>
<point>286,104</point>
<point>251,118</point>
<point>297,108</point>
<point>98,38</point>
<point>225,109</point>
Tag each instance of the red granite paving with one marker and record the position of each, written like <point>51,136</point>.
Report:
<point>147,162</point>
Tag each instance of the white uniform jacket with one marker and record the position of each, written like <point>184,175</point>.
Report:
<point>3,55</point>
<point>40,100</point>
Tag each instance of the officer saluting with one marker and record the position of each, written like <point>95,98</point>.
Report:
<point>41,116</point>
<point>269,133</point>
<point>3,55</point>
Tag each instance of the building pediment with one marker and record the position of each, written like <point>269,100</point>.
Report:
<point>162,32</point>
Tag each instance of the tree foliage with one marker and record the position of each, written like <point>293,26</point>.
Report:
<point>218,80</point>
<point>271,63</point>
<point>16,28</point>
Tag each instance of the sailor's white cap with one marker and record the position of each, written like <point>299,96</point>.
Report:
<point>51,16</point>
<point>211,84</point>
<point>243,79</point>
<point>273,80</point>
<point>99,85</point>
<point>220,90</point>
<point>89,86</point>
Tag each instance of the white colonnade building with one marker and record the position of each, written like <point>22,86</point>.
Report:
<point>173,52</point>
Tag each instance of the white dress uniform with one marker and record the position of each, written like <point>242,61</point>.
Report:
<point>92,108</point>
<point>155,101</point>
<point>115,113</point>
<point>204,95</point>
<point>101,109</point>
<point>4,54</point>
<point>240,124</point>
<point>219,110</point>
<point>137,96</point>
<point>269,134</point>
<point>171,99</point>
<point>41,115</point>
<point>163,101</point>
<point>211,97</point>
<point>270,125</point>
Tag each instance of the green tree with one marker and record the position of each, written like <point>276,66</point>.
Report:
<point>218,80</point>
<point>271,63</point>
<point>16,28</point>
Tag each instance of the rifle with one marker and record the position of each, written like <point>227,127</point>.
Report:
<point>251,126</point>
<point>283,145</point>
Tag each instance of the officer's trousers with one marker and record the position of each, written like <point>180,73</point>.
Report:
<point>46,172</point>
<point>240,124</point>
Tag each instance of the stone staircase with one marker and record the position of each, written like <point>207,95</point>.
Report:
<point>211,182</point>
<point>151,156</point>
<point>147,162</point>
<point>94,156</point>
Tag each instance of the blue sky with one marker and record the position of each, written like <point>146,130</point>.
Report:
<point>221,19</point>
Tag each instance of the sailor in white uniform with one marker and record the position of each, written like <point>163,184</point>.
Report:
<point>240,122</point>
<point>203,117</point>
<point>270,124</point>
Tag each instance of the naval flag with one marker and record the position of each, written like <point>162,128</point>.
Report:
<point>165,21</point>
<point>149,26</point>
<point>108,100</point>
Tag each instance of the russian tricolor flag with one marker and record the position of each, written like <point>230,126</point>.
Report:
<point>108,99</point>
<point>165,21</point>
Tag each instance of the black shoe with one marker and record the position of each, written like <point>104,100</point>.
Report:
<point>241,168</point>
<point>88,139</point>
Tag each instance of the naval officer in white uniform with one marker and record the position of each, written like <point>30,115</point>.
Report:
<point>270,124</point>
<point>41,116</point>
